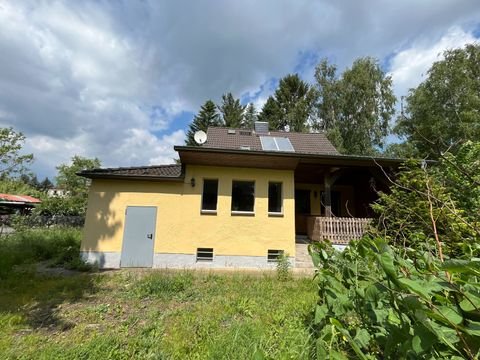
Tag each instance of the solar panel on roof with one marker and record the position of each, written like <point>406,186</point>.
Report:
<point>268,143</point>
<point>284,144</point>
<point>271,143</point>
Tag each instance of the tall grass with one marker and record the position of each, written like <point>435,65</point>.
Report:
<point>158,314</point>
<point>58,246</point>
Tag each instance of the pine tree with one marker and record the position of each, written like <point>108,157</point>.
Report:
<point>232,111</point>
<point>250,116</point>
<point>270,112</point>
<point>291,105</point>
<point>207,116</point>
<point>46,184</point>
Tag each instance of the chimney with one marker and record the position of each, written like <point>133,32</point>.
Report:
<point>261,127</point>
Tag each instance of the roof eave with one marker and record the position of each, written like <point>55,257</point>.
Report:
<point>90,175</point>
<point>289,154</point>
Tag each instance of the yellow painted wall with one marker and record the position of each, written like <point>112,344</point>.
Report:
<point>181,228</point>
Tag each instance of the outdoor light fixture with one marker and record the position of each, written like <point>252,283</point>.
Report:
<point>192,182</point>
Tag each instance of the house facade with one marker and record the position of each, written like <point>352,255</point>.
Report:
<point>241,199</point>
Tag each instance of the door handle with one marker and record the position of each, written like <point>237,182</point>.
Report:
<point>149,236</point>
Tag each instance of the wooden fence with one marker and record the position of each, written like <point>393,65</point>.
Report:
<point>338,230</point>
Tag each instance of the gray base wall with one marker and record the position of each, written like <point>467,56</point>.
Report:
<point>111,260</point>
<point>104,260</point>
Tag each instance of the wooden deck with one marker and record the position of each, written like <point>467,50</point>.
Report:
<point>338,230</point>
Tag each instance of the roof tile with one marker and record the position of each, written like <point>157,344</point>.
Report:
<point>244,139</point>
<point>161,171</point>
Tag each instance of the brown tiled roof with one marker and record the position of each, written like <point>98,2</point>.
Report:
<point>306,143</point>
<point>159,171</point>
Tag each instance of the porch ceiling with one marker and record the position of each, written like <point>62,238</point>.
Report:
<point>310,173</point>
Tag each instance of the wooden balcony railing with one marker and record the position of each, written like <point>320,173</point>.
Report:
<point>338,230</point>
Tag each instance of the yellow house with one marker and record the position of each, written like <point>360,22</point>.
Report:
<point>241,199</point>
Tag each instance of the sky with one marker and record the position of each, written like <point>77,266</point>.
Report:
<point>121,80</point>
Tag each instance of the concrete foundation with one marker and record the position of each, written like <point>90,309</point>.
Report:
<point>104,260</point>
<point>111,260</point>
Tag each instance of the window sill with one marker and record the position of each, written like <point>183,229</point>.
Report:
<point>243,213</point>
<point>208,212</point>
<point>275,214</point>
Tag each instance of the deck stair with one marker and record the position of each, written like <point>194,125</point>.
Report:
<point>302,257</point>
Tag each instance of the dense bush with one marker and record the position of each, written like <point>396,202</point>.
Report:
<point>65,206</point>
<point>412,289</point>
<point>58,246</point>
<point>379,302</point>
<point>435,203</point>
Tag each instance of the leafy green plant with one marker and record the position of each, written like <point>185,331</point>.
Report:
<point>435,204</point>
<point>283,268</point>
<point>376,301</point>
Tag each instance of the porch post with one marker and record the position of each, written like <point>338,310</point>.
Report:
<point>327,184</point>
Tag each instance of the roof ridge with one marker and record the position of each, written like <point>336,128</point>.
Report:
<point>280,131</point>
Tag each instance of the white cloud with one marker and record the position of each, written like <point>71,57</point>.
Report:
<point>409,67</point>
<point>107,78</point>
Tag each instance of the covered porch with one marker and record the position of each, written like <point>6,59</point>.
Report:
<point>333,202</point>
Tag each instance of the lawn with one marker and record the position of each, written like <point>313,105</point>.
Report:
<point>154,314</point>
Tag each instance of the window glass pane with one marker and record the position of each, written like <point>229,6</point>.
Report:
<point>274,197</point>
<point>243,195</point>
<point>302,202</point>
<point>210,192</point>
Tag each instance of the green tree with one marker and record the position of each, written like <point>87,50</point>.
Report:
<point>67,206</point>
<point>46,184</point>
<point>446,193</point>
<point>355,109</point>
<point>250,116</point>
<point>444,110</point>
<point>269,112</point>
<point>30,179</point>
<point>67,177</point>
<point>206,117</point>
<point>290,107</point>
<point>18,187</point>
<point>12,161</point>
<point>402,150</point>
<point>232,111</point>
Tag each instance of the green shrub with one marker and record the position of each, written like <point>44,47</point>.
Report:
<point>447,193</point>
<point>380,302</point>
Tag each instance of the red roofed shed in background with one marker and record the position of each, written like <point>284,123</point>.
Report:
<point>17,203</point>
